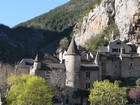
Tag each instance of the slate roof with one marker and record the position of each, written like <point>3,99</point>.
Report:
<point>26,62</point>
<point>130,55</point>
<point>50,66</point>
<point>90,67</point>
<point>39,57</point>
<point>72,49</point>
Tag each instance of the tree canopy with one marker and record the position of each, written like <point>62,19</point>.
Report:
<point>28,90</point>
<point>134,95</point>
<point>105,93</point>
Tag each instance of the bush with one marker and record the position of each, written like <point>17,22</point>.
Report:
<point>64,42</point>
<point>103,38</point>
<point>138,82</point>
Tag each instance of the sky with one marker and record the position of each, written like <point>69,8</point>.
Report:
<point>13,12</point>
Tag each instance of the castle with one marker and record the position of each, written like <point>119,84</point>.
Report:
<point>78,69</point>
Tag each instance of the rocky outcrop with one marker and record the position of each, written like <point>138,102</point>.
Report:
<point>124,10</point>
<point>119,11</point>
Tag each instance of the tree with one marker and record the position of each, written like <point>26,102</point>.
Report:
<point>28,90</point>
<point>64,42</point>
<point>138,82</point>
<point>105,93</point>
<point>134,94</point>
<point>81,93</point>
<point>57,82</point>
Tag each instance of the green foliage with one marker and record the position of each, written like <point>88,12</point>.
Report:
<point>64,42</point>
<point>28,90</point>
<point>105,93</point>
<point>96,41</point>
<point>60,18</point>
<point>102,38</point>
<point>138,82</point>
<point>98,2</point>
<point>92,6</point>
<point>87,10</point>
<point>43,31</point>
<point>81,94</point>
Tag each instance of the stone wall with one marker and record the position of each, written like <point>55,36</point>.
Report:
<point>72,63</point>
<point>94,75</point>
<point>130,67</point>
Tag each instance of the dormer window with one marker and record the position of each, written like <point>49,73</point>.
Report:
<point>118,43</point>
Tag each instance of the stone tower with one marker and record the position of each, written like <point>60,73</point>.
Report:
<point>72,62</point>
<point>36,65</point>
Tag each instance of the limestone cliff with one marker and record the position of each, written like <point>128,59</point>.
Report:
<point>118,11</point>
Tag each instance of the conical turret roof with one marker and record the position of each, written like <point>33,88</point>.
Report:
<point>72,49</point>
<point>38,57</point>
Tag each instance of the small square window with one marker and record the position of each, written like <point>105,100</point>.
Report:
<point>88,74</point>
<point>118,43</point>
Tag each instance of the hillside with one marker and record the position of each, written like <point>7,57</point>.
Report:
<point>42,33</point>
<point>62,17</point>
<point>92,25</point>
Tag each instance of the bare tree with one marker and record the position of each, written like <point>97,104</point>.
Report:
<point>56,79</point>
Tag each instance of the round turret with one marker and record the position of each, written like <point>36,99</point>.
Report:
<point>72,62</point>
<point>36,65</point>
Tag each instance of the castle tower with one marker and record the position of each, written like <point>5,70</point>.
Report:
<point>72,62</point>
<point>36,65</point>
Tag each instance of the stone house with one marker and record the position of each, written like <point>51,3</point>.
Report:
<point>121,60</point>
<point>116,47</point>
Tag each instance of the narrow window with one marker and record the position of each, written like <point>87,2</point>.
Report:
<point>131,64</point>
<point>123,51</point>
<point>87,74</point>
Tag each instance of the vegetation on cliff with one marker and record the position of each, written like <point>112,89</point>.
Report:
<point>103,38</point>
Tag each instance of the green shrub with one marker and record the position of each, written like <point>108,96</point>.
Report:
<point>64,42</point>
<point>101,39</point>
<point>138,82</point>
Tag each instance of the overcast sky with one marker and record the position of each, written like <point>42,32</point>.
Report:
<point>13,12</point>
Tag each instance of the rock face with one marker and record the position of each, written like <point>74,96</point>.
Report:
<point>124,10</point>
<point>119,11</point>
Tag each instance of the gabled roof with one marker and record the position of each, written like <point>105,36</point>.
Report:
<point>36,58</point>
<point>52,66</point>
<point>72,49</point>
<point>25,63</point>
